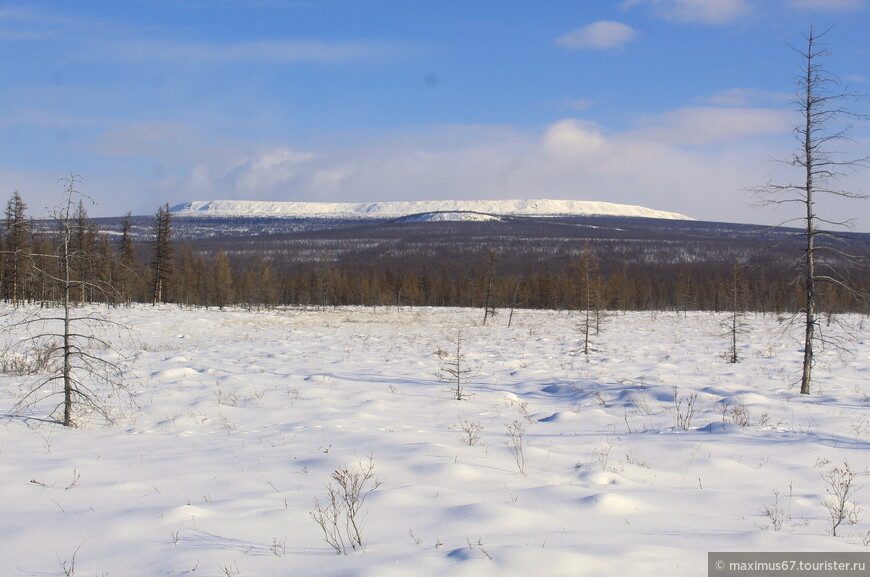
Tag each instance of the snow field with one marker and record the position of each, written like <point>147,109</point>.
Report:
<point>243,416</point>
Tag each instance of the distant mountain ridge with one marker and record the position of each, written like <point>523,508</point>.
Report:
<point>398,209</point>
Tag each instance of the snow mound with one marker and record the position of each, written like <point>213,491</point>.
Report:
<point>174,373</point>
<point>720,428</point>
<point>186,513</point>
<point>613,504</point>
<point>559,389</point>
<point>562,417</point>
<point>398,209</point>
<point>466,554</point>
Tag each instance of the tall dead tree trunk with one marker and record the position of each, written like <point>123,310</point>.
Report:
<point>737,305</point>
<point>66,302</point>
<point>825,121</point>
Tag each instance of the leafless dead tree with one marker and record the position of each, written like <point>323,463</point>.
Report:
<point>825,123</point>
<point>73,338</point>
<point>735,323</point>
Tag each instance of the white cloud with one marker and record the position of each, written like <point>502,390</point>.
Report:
<point>602,35</point>
<point>746,97</point>
<point>268,170</point>
<point>708,125</point>
<point>572,138</point>
<point>698,11</point>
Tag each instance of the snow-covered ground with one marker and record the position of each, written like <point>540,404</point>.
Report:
<point>523,207</point>
<point>243,417</point>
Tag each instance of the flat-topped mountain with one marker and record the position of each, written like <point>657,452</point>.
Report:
<point>399,209</point>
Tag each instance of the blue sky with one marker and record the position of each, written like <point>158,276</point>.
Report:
<point>678,105</point>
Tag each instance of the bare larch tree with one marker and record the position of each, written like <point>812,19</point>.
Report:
<point>69,335</point>
<point>825,123</point>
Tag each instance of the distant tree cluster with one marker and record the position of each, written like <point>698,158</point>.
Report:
<point>629,288</point>
<point>35,254</point>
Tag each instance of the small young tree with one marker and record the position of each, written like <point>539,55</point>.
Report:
<point>456,368</point>
<point>840,502</point>
<point>515,292</point>
<point>516,445</point>
<point>825,123</point>
<point>589,294</point>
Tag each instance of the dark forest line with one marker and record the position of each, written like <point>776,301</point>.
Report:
<point>522,263</point>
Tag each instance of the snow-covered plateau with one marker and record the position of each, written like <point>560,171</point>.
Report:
<point>635,460</point>
<point>528,207</point>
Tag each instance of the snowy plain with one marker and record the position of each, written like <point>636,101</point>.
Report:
<point>241,417</point>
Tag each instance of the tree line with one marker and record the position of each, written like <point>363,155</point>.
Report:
<point>215,273</point>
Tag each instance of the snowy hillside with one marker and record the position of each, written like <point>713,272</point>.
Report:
<point>450,217</point>
<point>534,207</point>
<point>634,461</point>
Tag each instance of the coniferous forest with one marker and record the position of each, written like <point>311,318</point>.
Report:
<point>605,263</point>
